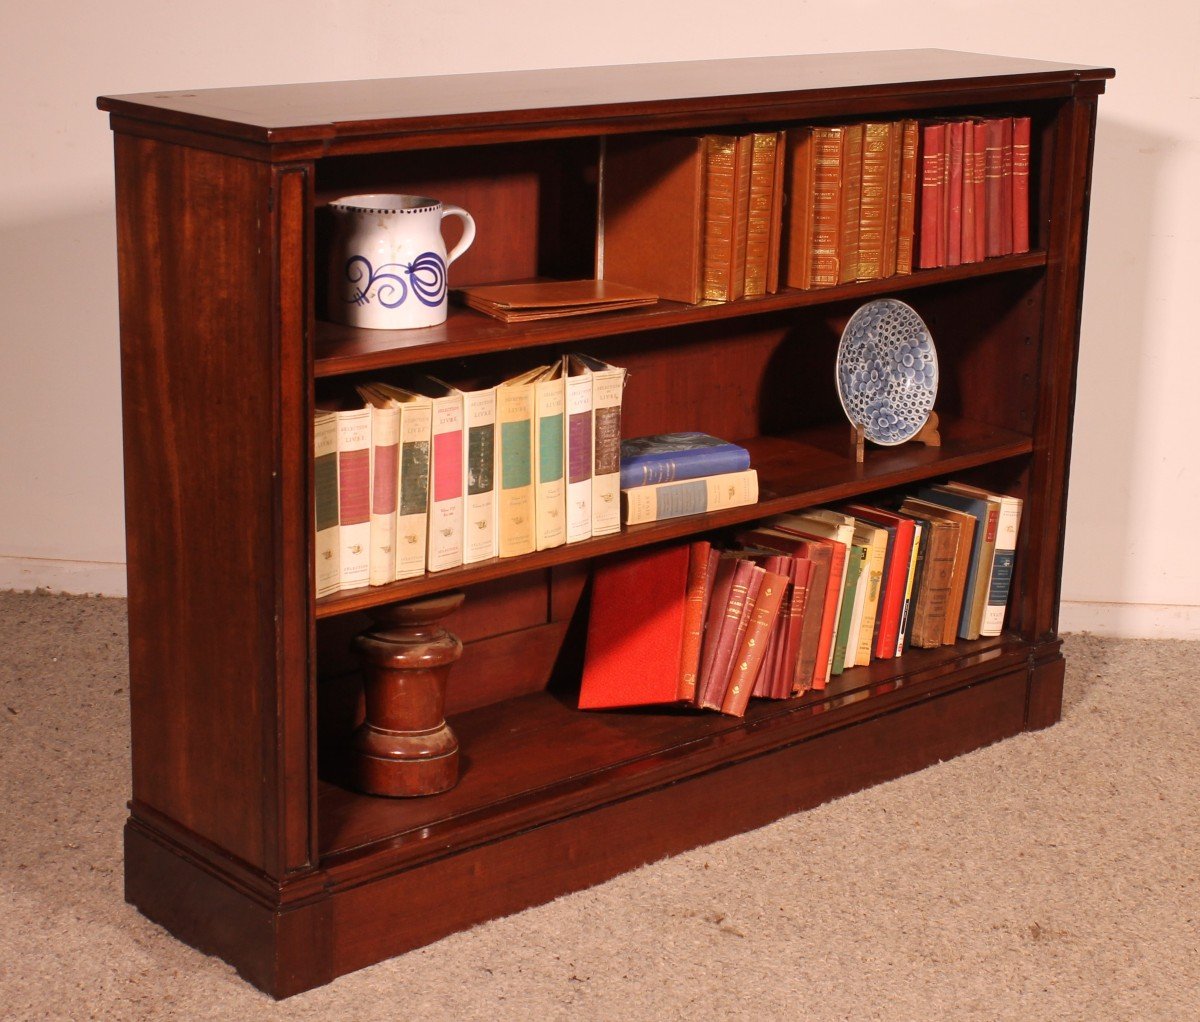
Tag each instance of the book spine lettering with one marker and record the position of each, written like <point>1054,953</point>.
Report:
<point>873,214</point>
<point>579,457</point>
<point>479,477</point>
<point>750,656</point>
<point>719,202</point>
<point>514,413</point>
<point>446,479</point>
<point>354,496</point>
<point>669,467</point>
<point>550,495</point>
<point>852,170</point>
<point>993,186</point>
<point>1007,527</point>
<point>607,387</point>
<point>327,574</point>
<point>1020,183</point>
<point>954,200</point>
<point>760,205</point>
<point>909,183</point>
<point>931,194</point>
<point>693,496</point>
<point>385,466</point>
<point>828,146</point>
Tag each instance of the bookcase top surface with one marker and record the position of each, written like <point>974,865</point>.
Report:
<point>330,110</point>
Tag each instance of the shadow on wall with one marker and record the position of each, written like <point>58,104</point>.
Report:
<point>60,388</point>
<point>1109,433</point>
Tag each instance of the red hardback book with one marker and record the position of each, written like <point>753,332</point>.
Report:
<point>1006,186</point>
<point>780,564</point>
<point>710,690</point>
<point>980,179</point>
<point>635,631</point>
<point>793,628</point>
<point>968,193</point>
<point>702,560</point>
<point>718,603</point>
<point>819,558</point>
<point>891,603</point>
<point>933,141</point>
<point>992,186</point>
<point>760,619</point>
<point>1020,184</point>
<point>831,555</point>
<point>954,197</point>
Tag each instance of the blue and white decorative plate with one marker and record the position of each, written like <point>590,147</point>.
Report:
<point>887,371</point>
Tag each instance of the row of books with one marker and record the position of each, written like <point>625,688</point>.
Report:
<point>722,217</point>
<point>692,218</point>
<point>429,477</point>
<point>974,189</point>
<point>802,598</point>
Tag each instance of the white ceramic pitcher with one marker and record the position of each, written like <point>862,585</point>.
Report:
<point>388,260</point>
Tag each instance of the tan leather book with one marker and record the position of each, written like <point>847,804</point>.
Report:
<point>651,222</point>
<point>775,238</point>
<point>760,209</point>
<point>551,299</point>
<point>940,539</point>
<point>962,559</point>
<point>851,199</point>
<point>728,160</point>
<point>909,182</point>
<point>891,205</point>
<point>872,210</point>
<point>829,147</point>
<point>799,180</point>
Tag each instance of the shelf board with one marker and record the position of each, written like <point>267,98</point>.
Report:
<point>814,466</point>
<point>536,758</point>
<point>343,349</point>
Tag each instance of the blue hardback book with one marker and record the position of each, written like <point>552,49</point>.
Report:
<point>664,458</point>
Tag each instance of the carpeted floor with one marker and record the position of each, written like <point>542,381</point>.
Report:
<point>1052,876</point>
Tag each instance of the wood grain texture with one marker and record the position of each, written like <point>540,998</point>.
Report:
<point>719,91</point>
<point>201,492</point>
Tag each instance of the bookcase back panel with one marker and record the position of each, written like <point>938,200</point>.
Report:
<point>534,204</point>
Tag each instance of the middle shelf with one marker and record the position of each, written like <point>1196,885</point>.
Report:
<point>808,467</point>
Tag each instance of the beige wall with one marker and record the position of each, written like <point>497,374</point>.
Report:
<point>1134,488</point>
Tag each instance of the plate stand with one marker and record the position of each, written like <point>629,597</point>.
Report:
<point>927,435</point>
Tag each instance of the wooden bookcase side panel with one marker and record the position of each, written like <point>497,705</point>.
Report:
<point>202,495</point>
<point>1044,521</point>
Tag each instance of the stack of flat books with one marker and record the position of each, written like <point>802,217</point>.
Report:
<point>674,474</point>
<point>802,598</point>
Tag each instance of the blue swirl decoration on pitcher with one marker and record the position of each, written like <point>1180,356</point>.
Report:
<point>426,276</point>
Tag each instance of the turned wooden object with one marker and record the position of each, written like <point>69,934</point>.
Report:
<point>927,435</point>
<point>404,746</point>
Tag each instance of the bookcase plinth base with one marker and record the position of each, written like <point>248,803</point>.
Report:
<point>404,747</point>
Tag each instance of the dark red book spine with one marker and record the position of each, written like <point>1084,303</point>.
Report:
<point>954,194</point>
<point>718,604</point>
<point>980,180</point>
<point>932,158</point>
<point>801,574</point>
<point>754,637</point>
<point>701,559</point>
<point>1020,183</point>
<point>746,578</point>
<point>992,188</point>
<point>780,565</point>
<point>968,193</point>
<point>1006,186</point>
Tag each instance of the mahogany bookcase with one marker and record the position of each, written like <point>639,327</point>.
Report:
<point>243,838</point>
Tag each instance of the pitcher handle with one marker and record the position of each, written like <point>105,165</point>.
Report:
<point>468,234</point>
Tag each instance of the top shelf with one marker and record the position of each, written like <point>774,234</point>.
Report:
<point>316,119</point>
<point>343,349</point>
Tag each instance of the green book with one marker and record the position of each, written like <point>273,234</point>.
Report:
<point>856,559</point>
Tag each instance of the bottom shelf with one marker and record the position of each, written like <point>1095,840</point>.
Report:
<point>534,759</point>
